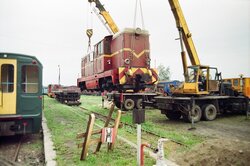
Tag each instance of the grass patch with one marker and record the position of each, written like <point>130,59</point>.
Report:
<point>152,117</point>
<point>65,122</point>
<point>155,122</point>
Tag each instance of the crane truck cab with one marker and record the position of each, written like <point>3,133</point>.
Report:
<point>201,80</point>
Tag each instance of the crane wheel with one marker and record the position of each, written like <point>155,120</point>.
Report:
<point>209,112</point>
<point>129,104</point>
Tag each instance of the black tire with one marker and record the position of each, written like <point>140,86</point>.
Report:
<point>209,112</point>
<point>197,115</point>
<point>173,115</point>
<point>118,104</point>
<point>129,104</point>
<point>139,104</point>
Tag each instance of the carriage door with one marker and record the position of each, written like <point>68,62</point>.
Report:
<point>8,86</point>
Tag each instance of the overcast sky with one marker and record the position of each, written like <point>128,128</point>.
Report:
<point>54,32</point>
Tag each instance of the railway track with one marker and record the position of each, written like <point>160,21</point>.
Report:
<point>7,161</point>
<point>104,117</point>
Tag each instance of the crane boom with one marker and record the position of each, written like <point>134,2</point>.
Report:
<point>185,34</point>
<point>110,22</point>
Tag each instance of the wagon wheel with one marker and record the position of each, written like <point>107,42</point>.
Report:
<point>139,104</point>
<point>118,104</point>
<point>173,115</point>
<point>209,112</point>
<point>129,104</point>
<point>196,116</point>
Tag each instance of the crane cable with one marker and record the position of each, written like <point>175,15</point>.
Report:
<point>135,15</point>
<point>89,28</point>
<point>134,26</point>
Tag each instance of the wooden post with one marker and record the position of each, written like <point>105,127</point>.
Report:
<point>106,125</point>
<point>117,122</point>
<point>88,135</point>
<point>89,132</point>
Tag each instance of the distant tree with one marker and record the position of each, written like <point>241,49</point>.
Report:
<point>164,73</point>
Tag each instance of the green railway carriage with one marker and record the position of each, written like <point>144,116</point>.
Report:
<point>20,94</point>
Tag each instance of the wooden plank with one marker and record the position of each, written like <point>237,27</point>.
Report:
<point>117,122</point>
<point>110,115</point>
<point>82,135</point>
<point>88,135</point>
<point>93,141</point>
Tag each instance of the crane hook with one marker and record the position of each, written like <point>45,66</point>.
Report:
<point>89,33</point>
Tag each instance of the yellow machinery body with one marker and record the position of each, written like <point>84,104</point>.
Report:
<point>107,17</point>
<point>240,84</point>
<point>198,78</point>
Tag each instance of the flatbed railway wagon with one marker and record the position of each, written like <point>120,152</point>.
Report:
<point>69,95</point>
<point>20,94</point>
<point>128,101</point>
<point>52,89</point>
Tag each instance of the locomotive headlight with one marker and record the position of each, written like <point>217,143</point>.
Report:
<point>127,61</point>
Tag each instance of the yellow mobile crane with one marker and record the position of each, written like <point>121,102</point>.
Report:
<point>199,79</point>
<point>203,93</point>
<point>108,19</point>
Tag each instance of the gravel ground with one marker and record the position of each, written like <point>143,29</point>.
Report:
<point>30,153</point>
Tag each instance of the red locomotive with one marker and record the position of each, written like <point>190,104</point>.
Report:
<point>119,62</point>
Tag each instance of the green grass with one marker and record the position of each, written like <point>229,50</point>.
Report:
<point>172,132</point>
<point>155,122</point>
<point>65,122</point>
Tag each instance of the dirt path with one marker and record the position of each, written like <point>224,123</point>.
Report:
<point>230,127</point>
<point>227,143</point>
<point>221,152</point>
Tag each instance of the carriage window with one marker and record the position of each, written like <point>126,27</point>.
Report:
<point>7,78</point>
<point>30,79</point>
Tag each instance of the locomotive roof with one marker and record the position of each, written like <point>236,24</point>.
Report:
<point>131,30</point>
<point>19,56</point>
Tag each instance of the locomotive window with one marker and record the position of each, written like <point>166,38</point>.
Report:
<point>91,56</point>
<point>7,78</point>
<point>107,49</point>
<point>30,79</point>
<point>100,48</point>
